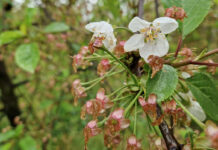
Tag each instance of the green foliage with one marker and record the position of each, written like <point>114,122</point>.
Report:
<point>196,10</point>
<point>27,57</point>
<point>27,143</point>
<point>163,84</point>
<point>10,134</point>
<point>205,92</point>
<point>56,27</point>
<point>9,36</point>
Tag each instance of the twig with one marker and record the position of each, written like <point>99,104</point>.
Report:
<point>210,53</point>
<point>170,140</point>
<point>156,8</point>
<point>178,47</point>
<point>141,8</point>
<point>188,62</point>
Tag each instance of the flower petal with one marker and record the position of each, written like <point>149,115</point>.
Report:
<point>99,27</point>
<point>136,24</point>
<point>110,41</point>
<point>135,42</point>
<point>166,24</point>
<point>197,111</point>
<point>159,47</point>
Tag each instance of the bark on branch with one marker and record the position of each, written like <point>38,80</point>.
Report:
<point>8,96</point>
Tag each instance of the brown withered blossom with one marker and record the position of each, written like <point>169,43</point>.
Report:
<point>103,67</point>
<point>113,126</point>
<point>95,42</point>
<point>78,91</point>
<point>156,63</point>
<point>133,143</point>
<point>91,130</point>
<point>212,133</point>
<point>119,49</point>
<point>97,106</point>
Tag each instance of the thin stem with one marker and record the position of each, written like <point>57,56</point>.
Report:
<point>123,65</point>
<point>107,75</point>
<point>132,102</point>
<point>188,62</point>
<point>210,53</point>
<point>123,28</point>
<point>124,97</point>
<point>119,89</point>
<point>135,120</point>
<point>198,122</point>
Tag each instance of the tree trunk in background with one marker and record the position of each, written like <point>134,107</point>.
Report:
<point>8,96</point>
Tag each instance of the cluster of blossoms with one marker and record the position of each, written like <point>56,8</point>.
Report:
<point>212,134</point>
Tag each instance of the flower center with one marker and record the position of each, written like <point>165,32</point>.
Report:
<point>151,33</point>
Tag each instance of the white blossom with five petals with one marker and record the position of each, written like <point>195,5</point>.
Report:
<point>103,30</point>
<point>150,37</point>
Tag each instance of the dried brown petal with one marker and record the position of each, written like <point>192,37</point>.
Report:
<point>156,63</point>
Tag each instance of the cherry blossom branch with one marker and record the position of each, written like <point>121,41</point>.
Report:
<point>188,62</point>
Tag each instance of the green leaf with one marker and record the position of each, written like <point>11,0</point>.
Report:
<point>204,90</point>
<point>29,16</point>
<point>196,10</point>
<point>27,57</point>
<point>28,143</point>
<point>163,84</point>
<point>56,27</point>
<point>11,133</point>
<point>9,36</point>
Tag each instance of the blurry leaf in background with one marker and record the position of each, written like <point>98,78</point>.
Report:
<point>27,57</point>
<point>29,16</point>
<point>6,146</point>
<point>27,143</point>
<point>163,84</point>
<point>9,36</point>
<point>56,27</point>
<point>196,11</point>
<point>11,133</point>
<point>204,90</point>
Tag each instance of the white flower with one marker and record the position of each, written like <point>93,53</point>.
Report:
<point>150,38</point>
<point>103,30</point>
<point>194,106</point>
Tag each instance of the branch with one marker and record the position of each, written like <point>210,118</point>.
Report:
<point>178,47</point>
<point>170,140</point>
<point>20,83</point>
<point>156,8</point>
<point>188,62</point>
<point>210,53</point>
<point>141,8</point>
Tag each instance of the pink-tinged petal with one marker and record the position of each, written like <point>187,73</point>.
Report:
<point>159,47</point>
<point>135,42</point>
<point>117,114</point>
<point>136,24</point>
<point>92,124</point>
<point>166,24</point>
<point>152,99</point>
<point>142,101</point>
<point>132,140</point>
<point>124,123</point>
<point>100,94</point>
